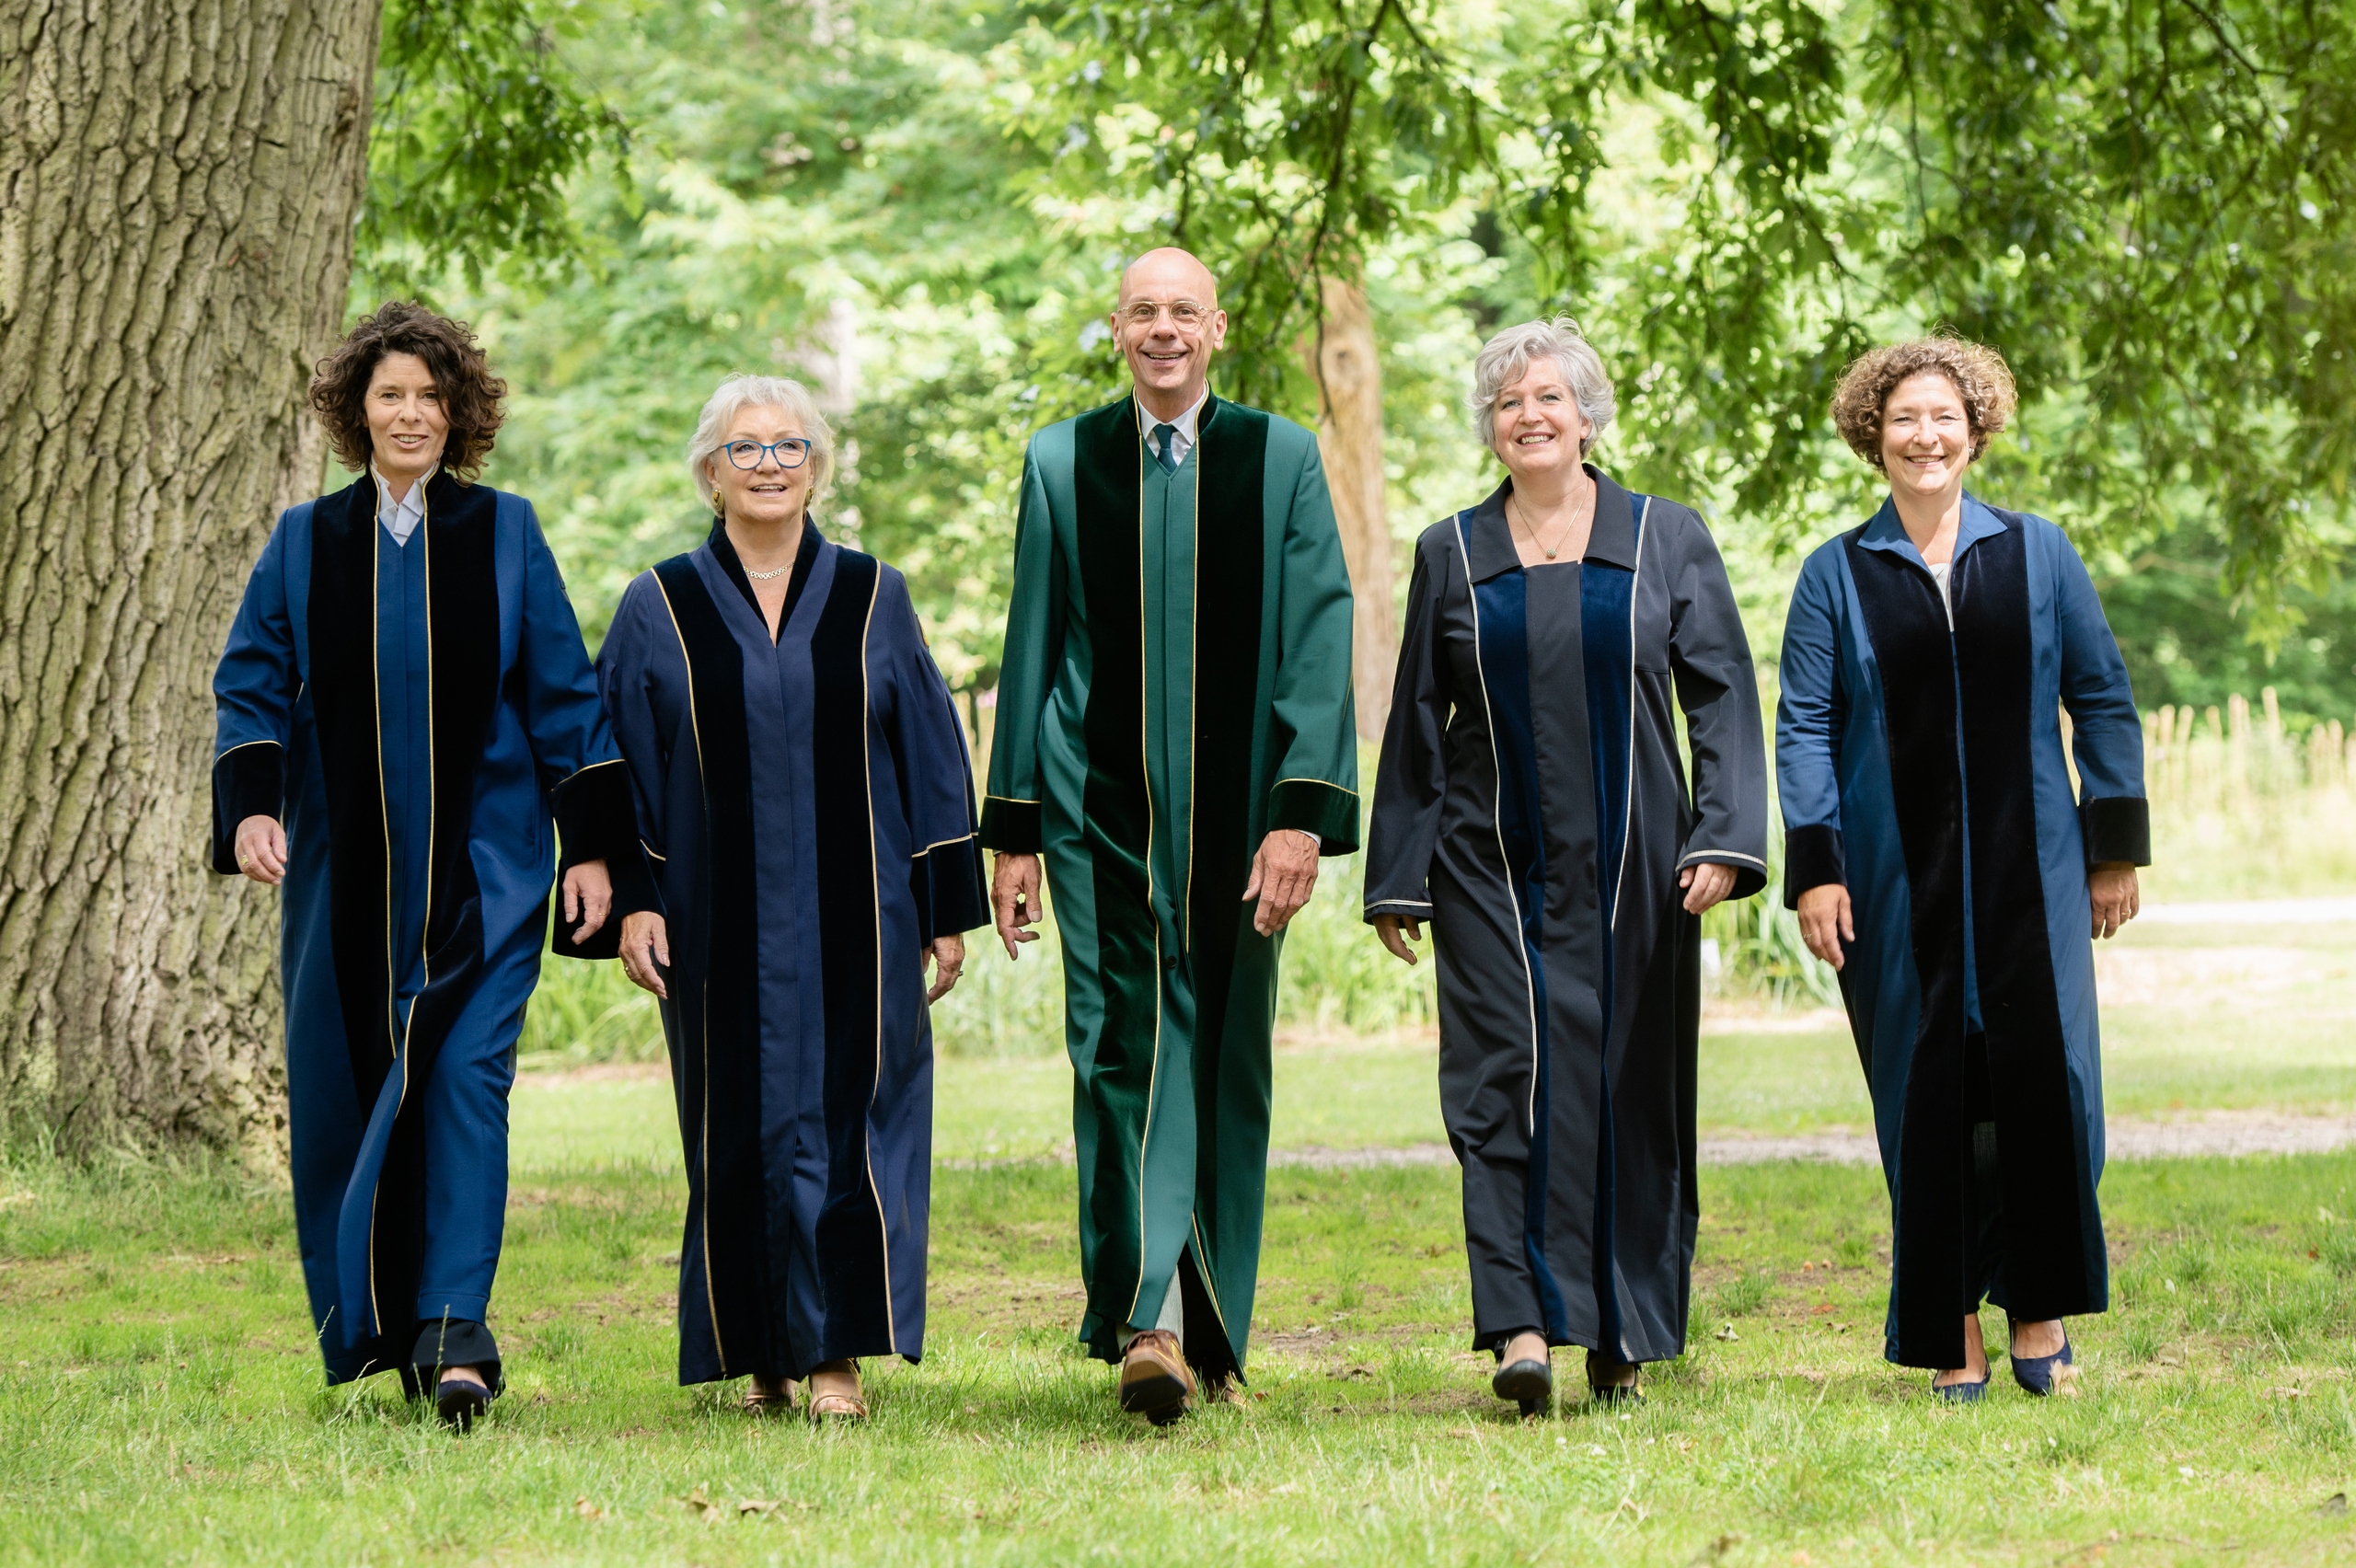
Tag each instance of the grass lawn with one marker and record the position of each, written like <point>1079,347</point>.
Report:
<point>159,1401</point>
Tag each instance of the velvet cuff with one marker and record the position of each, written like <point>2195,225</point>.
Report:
<point>2117,827</point>
<point>1311,805</point>
<point>1011,827</point>
<point>247,781</point>
<point>950,891</point>
<point>1812,857</point>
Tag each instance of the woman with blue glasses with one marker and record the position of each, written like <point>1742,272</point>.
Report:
<point>806,802</point>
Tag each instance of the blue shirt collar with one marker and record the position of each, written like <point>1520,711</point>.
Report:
<point>1884,532</point>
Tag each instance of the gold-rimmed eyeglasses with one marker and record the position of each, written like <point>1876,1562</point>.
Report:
<point>1185,314</point>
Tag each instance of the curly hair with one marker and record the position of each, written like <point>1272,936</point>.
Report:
<point>1981,375</point>
<point>471,394</point>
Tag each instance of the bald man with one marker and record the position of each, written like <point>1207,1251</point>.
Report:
<point>1174,741</point>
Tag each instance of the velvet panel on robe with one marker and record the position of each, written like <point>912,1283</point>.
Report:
<point>808,802</point>
<point>1922,765</point>
<point>1533,805</point>
<point>1175,684</point>
<point>413,715</point>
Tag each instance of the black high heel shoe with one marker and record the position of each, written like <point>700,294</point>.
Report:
<point>1529,1384</point>
<point>458,1401</point>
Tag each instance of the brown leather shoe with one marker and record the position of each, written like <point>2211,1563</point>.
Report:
<point>1155,1382</point>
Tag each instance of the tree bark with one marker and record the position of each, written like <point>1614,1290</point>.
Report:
<point>178,184</point>
<point>1343,360</point>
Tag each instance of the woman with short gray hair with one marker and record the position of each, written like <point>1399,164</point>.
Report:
<point>805,797</point>
<point>1533,804</point>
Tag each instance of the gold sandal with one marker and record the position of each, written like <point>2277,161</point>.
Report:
<point>837,1406</point>
<point>760,1402</point>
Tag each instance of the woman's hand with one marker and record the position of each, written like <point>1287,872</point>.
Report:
<point>1705,882</point>
<point>1825,922</point>
<point>646,951</point>
<point>261,850</point>
<point>1014,900</point>
<point>1389,927</point>
<point>2117,900</point>
<point>948,962</point>
<point>588,897</point>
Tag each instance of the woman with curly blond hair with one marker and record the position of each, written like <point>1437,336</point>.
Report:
<point>403,706</point>
<point>1941,860</point>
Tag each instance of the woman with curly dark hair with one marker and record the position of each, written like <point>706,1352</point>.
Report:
<point>1940,858</point>
<point>403,705</point>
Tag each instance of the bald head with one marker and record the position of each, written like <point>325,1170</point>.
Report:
<point>1170,274</point>
<point>1168,324</point>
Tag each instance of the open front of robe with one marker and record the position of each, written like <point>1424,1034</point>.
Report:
<point>807,803</point>
<point>1922,767</point>
<point>411,715</point>
<point>1531,805</point>
<point>1175,684</point>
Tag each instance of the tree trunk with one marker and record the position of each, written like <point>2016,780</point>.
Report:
<point>178,184</point>
<point>1349,438</point>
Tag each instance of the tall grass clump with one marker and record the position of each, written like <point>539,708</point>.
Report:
<point>2242,807</point>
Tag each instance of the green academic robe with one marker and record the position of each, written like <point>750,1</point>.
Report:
<point>1176,683</point>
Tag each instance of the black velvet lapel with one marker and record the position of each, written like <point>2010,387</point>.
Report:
<point>2052,1269</point>
<point>1908,627</point>
<point>1108,477</point>
<point>1230,469</point>
<point>850,1240</point>
<point>806,556</point>
<point>460,536</point>
<point>720,1092</point>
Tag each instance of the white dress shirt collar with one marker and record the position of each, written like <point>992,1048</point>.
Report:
<point>401,517</point>
<point>1182,436</point>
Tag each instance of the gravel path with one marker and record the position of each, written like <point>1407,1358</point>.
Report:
<point>2219,1134</point>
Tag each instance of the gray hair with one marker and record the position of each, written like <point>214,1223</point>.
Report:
<point>1506,359</point>
<point>739,392</point>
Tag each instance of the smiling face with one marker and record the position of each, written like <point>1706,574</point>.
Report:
<point>1168,324</point>
<point>1535,426</point>
<point>769,493</point>
<point>1925,435</point>
<point>407,427</point>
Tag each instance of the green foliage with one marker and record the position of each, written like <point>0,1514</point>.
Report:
<point>478,127</point>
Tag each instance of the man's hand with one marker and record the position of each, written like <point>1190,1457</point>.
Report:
<point>1705,882</point>
<point>2117,900</point>
<point>1014,900</point>
<point>261,850</point>
<point>646,943</point>
<point>1284,873</point>
<point>1389,927</point>
<point>1825,922</point>
<point>948,962</point>
<point>588,897</point>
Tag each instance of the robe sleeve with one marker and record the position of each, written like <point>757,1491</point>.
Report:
<point>253,701</point>
<point>936,775</point>
<point>1411,778</point>
<point>1010,812</point>
<point>1316,788</point>
<point>1719,689</point>
<point>625,674</point>
<point>1808,731</point>
<point>2106,734</point>
<point>582,770</point>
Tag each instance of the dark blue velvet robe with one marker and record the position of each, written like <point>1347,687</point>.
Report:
<point>807,803</point>
<point>1922,767</point>
<point>413,715</point>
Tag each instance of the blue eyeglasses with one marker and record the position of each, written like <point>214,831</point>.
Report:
<point>792,452</point>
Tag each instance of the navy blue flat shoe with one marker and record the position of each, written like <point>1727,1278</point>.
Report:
<point>1528,1383</point>
<point>2040,1375</point>
<point>459,1401</point>
<point>1960,1393</point>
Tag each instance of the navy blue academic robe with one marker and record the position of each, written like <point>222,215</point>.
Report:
<point>413,715</point>
<point>1922,765</point>
<point>806,802</point>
